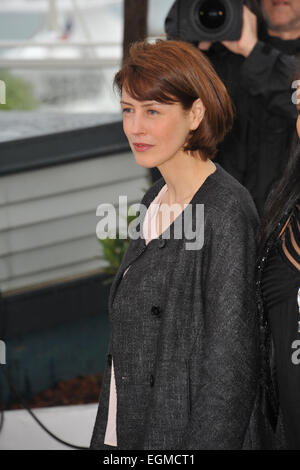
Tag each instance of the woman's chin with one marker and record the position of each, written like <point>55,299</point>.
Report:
<point>144,163</point>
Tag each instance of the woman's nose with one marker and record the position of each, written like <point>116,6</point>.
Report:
<point>138,125</point>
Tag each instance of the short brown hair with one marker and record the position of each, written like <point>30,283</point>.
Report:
<point>176,71</point>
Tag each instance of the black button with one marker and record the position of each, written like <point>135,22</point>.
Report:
<point>155,310</point>
<point>109,359</point>
<point>151,381</point>
<point>161,243</point>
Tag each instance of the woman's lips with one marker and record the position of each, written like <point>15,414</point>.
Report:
<point>142,147</point>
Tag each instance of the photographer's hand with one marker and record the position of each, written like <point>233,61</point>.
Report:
<point>204,45</point>
<point>248,38</point>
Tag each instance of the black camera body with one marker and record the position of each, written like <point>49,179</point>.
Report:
<point>210,20</point>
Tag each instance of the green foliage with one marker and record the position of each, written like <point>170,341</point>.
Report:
<point>19,93</point>
<point>113,251</point>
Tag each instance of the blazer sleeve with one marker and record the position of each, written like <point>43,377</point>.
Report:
<point>266,73</point>
<point>225,393</point>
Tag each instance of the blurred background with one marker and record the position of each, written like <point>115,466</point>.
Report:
<point>62,153</point>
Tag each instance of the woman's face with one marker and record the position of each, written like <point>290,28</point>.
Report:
<point>156,132</point>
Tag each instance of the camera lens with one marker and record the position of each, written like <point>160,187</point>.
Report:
<point>212,14</point>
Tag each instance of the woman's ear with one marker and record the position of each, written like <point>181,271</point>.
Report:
<point>196,113</point>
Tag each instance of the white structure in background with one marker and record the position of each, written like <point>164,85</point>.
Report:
<point>47,229</point>
<point>60,36</point>
<point>69,54</point>
<point>33,16</point>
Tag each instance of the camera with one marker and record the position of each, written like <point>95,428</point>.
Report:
<point>210,20</point>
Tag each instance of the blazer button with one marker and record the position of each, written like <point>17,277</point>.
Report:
<point>155,310</point>
<point>151,380</point>
<point>109,359</point>
<point>161,243</point>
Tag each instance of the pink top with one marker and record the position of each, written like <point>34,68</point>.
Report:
<point>149,232</point>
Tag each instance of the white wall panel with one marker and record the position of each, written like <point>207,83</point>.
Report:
<point>48,217</point>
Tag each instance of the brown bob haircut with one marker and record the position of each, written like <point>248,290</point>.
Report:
<point>176,71</point>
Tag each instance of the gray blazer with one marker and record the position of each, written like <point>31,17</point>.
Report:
<point>184,335</point>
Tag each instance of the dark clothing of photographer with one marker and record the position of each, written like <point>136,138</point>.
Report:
<point>255,152</point>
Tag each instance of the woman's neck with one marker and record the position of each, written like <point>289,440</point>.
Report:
<point>184,176</point>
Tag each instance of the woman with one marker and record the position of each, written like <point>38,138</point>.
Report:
<point>183,356</point>
<point>279,299</point>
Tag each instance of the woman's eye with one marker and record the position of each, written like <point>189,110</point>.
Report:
<point>126,110</point>
<point>152,111</point>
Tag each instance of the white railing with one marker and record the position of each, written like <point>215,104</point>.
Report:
<point>9,44</point>
<point>80,63</point>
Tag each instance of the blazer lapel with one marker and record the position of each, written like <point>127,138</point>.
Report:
<point>136,247</point>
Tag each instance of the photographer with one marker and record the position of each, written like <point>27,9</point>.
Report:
<point>256,70</point>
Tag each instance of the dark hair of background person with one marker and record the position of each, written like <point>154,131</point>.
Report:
<point>286,191</point>
<point>176,71</point>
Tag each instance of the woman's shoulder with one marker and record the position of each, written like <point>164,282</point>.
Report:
<point>222,195</point>
<point>226,197</point>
